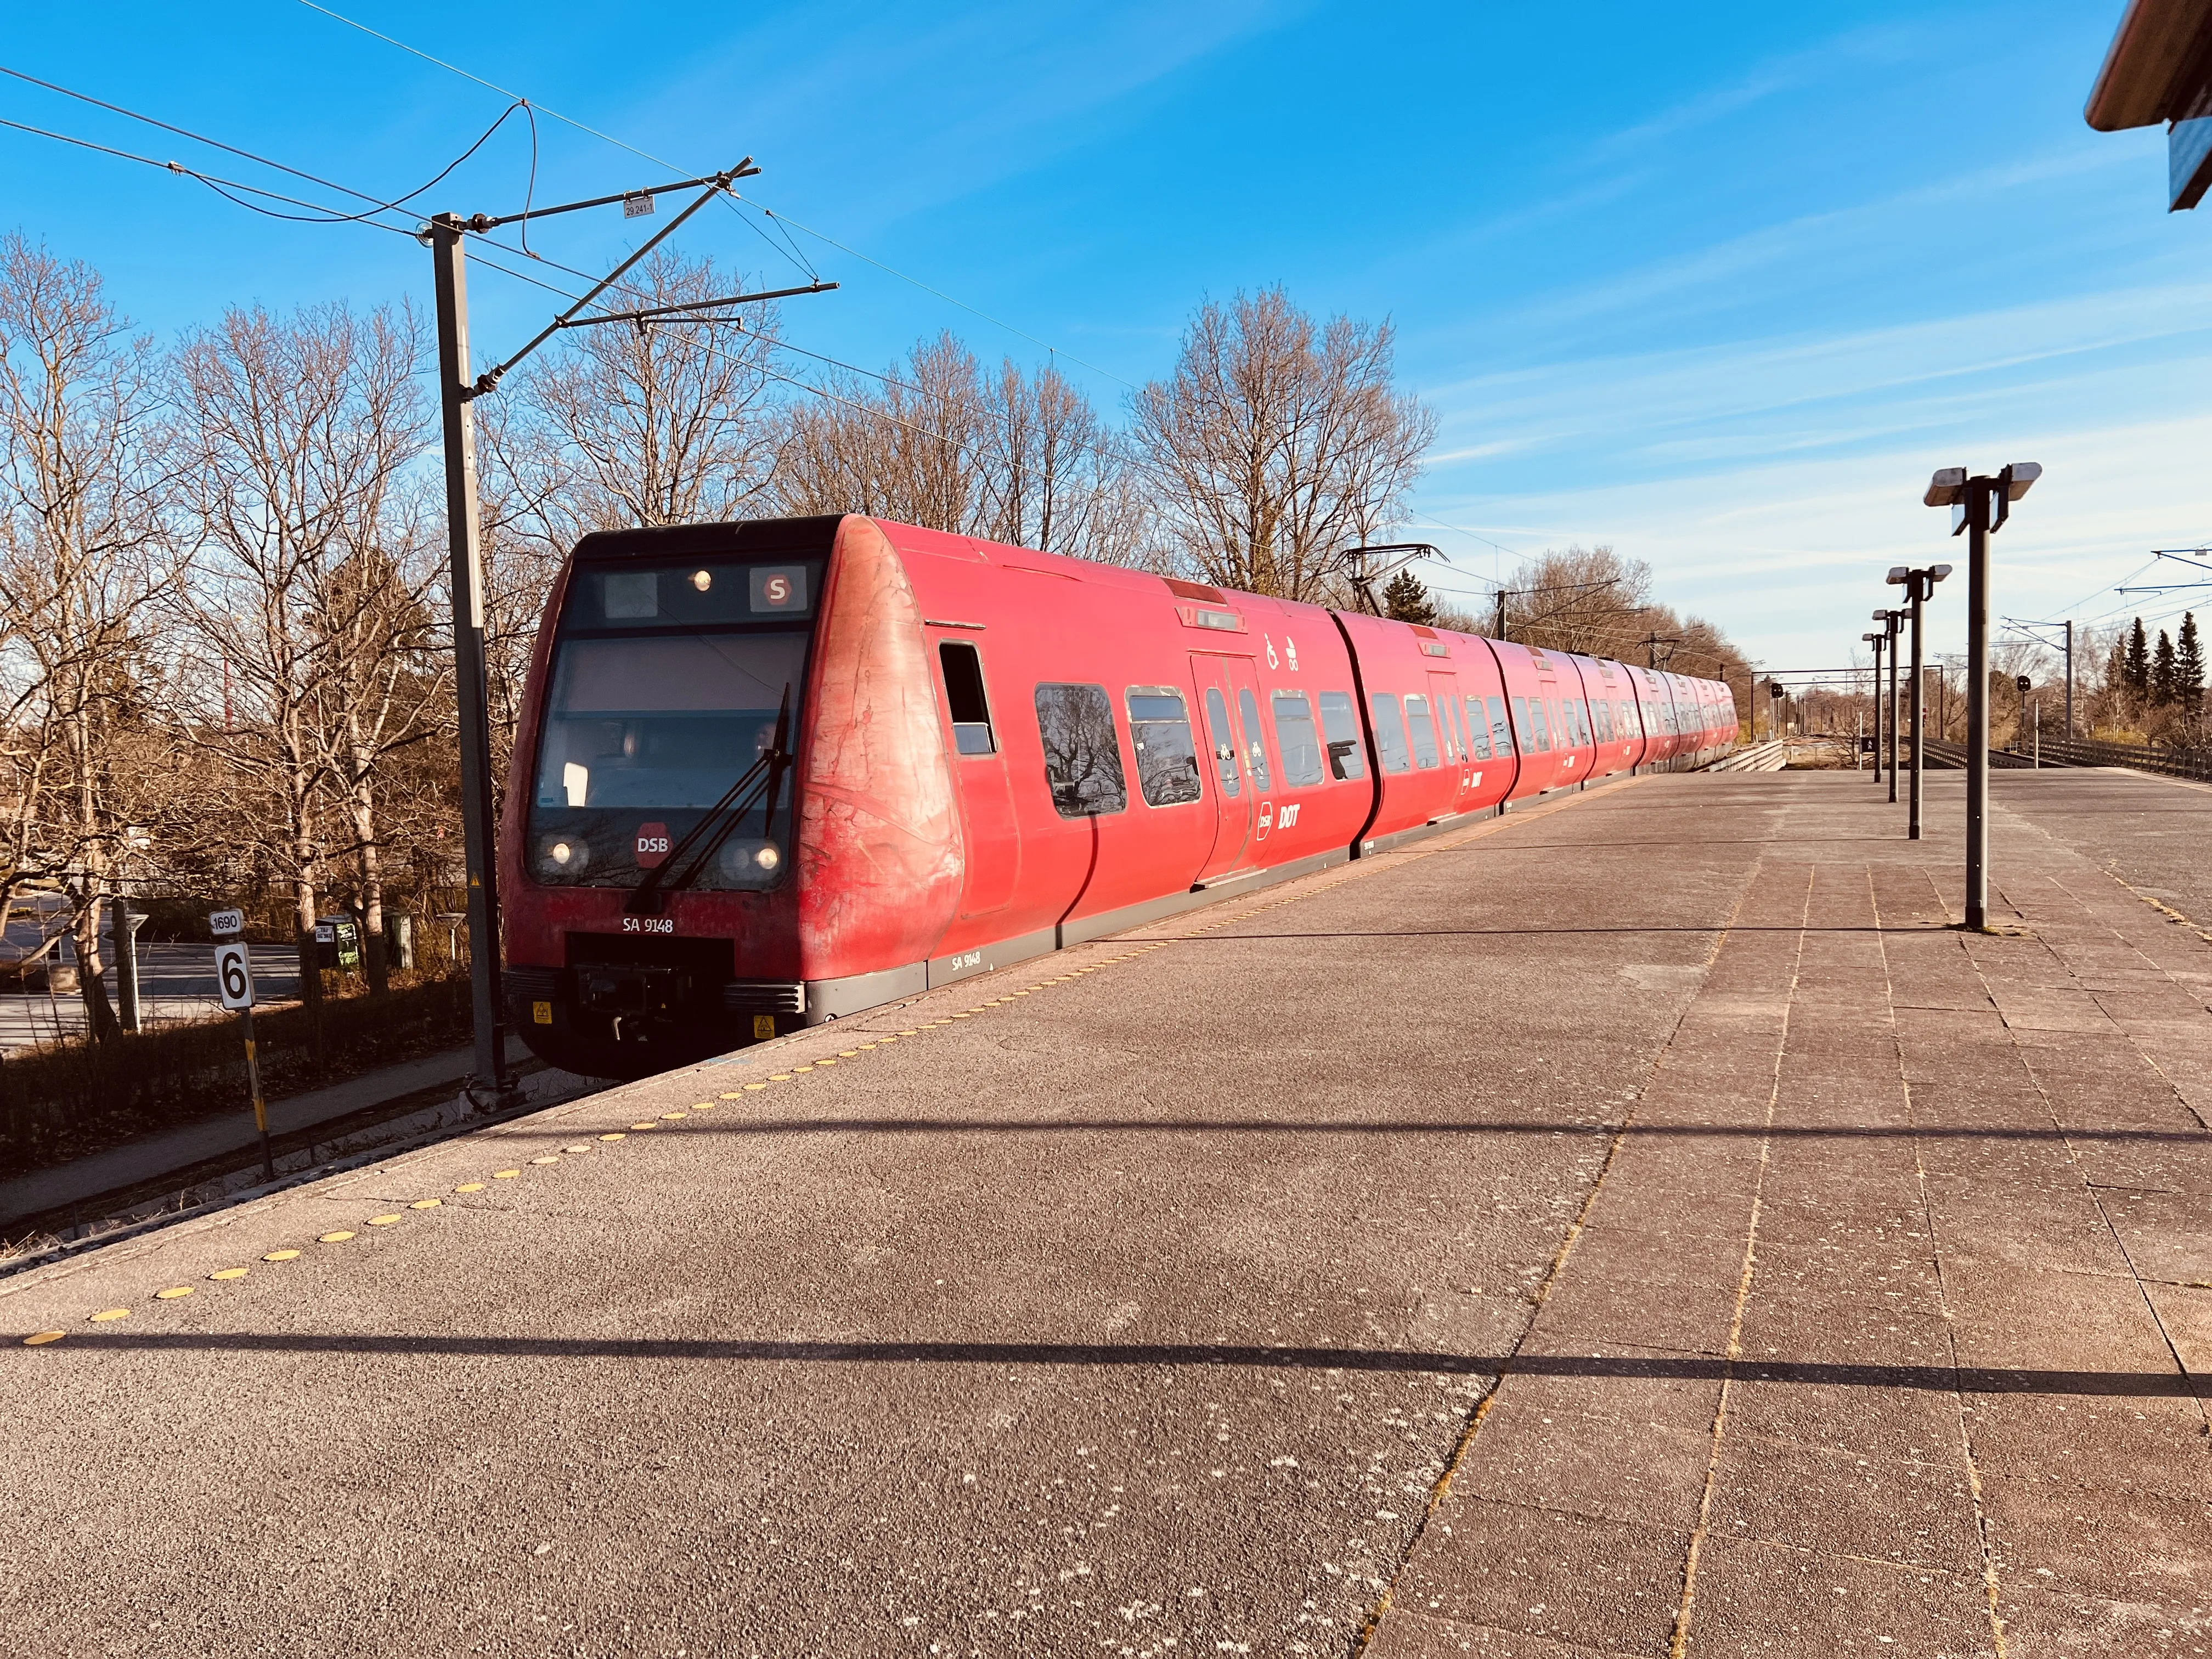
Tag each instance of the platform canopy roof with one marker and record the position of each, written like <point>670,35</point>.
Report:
<point>2159,67</point>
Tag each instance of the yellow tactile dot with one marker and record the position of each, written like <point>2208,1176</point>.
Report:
<point>576,1149</point>
<point>779,1076</point>
<point>550,1157</point>
<point>673,1116</point>
<point>825,1062</point>
<point>229,1272</point>
<point>106,1314</point>
<point>173,1293</point>
<point>649,1124</point>
<point>425,1203</point>
<point>757,1086</point>
<point>385,1220</point>
<point>281,1255</point>
<point>471,1187</point>
<point>704,1106</point>
<point>970,1014</point>
<point>39,1339</point>
<point>505,1175</point>
<point>797,1069</point>
<point>846,1053</point>
<point>864,1047</point>
<point>616,1135</point>
<point>338,1237</point>
<point>903,1034</point>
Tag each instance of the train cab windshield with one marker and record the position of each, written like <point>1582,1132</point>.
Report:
<point>666,687</point>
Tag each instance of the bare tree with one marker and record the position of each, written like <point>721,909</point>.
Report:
<point>1054,477</point>
<point>81,501</point>
<point>908,449</point>
<point>298,433</point>
<point>654,422</point>
<point>1275,446</point>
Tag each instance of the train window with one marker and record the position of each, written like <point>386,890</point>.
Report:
<point>963,696</point>
<point>1537,726</point>
<point>1390,732</point>
<point>1478,730</point>
<point>1501,734</point>
<point>1296,741</point>
<point>1601,719</point>
<point>1425,732</point>
<point>1167,759</point>
<point>1579,717</point>
<point>1522,729</point>
<point>1255,747</point>
<point>1082,753</point>
<point>1455,734</point>
<point>1225,745</point>
<point>1340,726</point>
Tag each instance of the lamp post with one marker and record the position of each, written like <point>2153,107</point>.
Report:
<point>1878,641</point>
<point>1980,505</point>
<point>1919,587</point>
<point>1892,621</point>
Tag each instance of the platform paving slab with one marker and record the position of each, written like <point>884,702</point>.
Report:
<point>1488,1247</point>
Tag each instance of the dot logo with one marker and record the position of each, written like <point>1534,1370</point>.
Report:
<point>651,846</point>
<point>779,587</point>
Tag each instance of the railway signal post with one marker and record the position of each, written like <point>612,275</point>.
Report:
<point>1980,506</point>
<point>1919,586</point>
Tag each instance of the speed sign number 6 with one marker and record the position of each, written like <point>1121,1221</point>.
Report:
<point>233,975</point>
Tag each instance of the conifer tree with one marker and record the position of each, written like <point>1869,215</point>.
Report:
<point>2161,672</point>
<point>2189,665</point>
<point>1407,600</point>
<point>2138,676</point>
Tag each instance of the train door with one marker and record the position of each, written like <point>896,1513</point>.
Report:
<point>1235,798</point>
<point>993,840</point>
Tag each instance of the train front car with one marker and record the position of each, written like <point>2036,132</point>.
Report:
<point>674,804</point>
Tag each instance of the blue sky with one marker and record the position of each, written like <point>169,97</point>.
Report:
<point>1719,285</point>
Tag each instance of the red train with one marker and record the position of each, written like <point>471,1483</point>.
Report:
<point>770,773</point>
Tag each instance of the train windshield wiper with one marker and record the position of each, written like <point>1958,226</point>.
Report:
<point>764,775</point>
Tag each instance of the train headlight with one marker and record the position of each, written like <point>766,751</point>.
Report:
<point>750,862</point>
<point>564,858</point>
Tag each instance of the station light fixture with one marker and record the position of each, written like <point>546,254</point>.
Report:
<point>1980,504</point>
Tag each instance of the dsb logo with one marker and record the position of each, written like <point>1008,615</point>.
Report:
<point>652,845</point>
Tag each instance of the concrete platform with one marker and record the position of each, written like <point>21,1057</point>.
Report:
<point>1640,1226</point>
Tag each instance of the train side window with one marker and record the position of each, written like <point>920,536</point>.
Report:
<point>1522,729</point>
<point>1339,727</point>
<point>1601,717</point>
<point>1296,741</point>
<point>1580,711</point>
<point>1501,734</point>
<point>964,698</point>
<point>1455,733</point>
<point>1225,745</point>
<point>1425,732</point>
<point>1255,746</point>
<point>1537,727</point>
<point>1478,729</point>
<point>1082,751</point>
<point>1167,759</point>
<point>1390,732</point>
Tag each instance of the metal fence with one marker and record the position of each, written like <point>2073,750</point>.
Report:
<point>2173,763</point>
